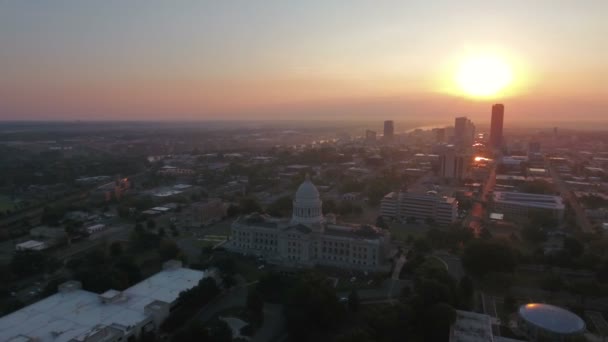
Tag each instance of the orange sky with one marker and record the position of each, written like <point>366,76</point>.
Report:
<point>342,59</point>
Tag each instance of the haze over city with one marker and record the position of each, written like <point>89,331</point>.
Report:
<point>303,171</point>
<point>353,60</point>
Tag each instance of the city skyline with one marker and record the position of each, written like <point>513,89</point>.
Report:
<point>208,60</point>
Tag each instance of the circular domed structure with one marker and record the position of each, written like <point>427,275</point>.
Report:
<point>548,321</point>
<point>307,191</point>
<point>307,206</point>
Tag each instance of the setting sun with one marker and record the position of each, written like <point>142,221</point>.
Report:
<point>483,76</point>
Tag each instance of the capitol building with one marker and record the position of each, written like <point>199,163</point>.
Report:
<point>309,239</point>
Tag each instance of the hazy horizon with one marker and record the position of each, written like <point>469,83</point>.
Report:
<point>339,60</point>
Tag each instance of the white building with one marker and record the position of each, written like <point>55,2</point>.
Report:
<point>475,327</point>
<point>96,228</point>
<point>389,206</point>
<point>31,245</point>
<point>307,239</point>
<point>405,205</point>
<point>517,206</point>
<point>454,165</point>
<point>76,315</point>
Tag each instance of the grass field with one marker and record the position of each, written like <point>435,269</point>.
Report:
<point>401,231</point>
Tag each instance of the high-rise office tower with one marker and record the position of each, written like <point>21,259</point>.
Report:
<point>498,115</point>
<point>389,130</point>
<point>453,165</point>
<point>460,126</point>
<point>464,132</point>
<point>534,147</point>
<point>439,135</point>
<point>370,136</point>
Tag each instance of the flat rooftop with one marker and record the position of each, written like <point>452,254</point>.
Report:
<point>70,314</point>
<point>471,327</point>
<point>529,200</point>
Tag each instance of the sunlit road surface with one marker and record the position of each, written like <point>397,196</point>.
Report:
<point>475,217</point>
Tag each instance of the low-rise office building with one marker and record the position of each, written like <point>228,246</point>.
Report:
<point>209,211</point>
<point>404,205</point>
<point>517,206</point>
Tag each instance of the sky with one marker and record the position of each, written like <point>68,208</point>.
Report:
<point>283,59</point>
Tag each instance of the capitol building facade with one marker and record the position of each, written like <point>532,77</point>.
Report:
<point>309,239</point>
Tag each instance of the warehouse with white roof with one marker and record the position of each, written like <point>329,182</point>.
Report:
<point>76,315</point>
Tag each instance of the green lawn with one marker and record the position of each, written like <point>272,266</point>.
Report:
<point>401,231</point>
<point>344,284</point>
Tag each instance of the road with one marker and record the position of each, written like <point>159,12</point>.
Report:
<point>581,217</point>
<point>452,262</point>
<point>234,297</point>
<point>274,324</point>
<point>477,213</point>
<point>598,321</point>
<point>274,320</point>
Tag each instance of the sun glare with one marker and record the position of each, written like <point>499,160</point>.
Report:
<point>483,76</point>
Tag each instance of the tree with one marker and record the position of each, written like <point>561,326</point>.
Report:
<point>481,257</point>
<point>151,224</point>
<point>380,223</point>
<point>174,231</point>
<point>26,263</point>
<point>485,234</point>
<point>432,292</point>
<point>533,234</point>
<point>195,331</point>
<point>311,307</point>
<point>73,229</point>
<point>248,205</point>
<point>358,335</point>
<point>422,246</point>
<point>281,207</point>
<point>228,281</point>
<point>353,301</point>
<point>330,207</point>
<point>226,265</point>
<point>551,282</point>
<point>168,250</point>
<point>116,249</point>
<point>438,319</point>
<point>574,247</point>
<point>255,305</point>
<point>51,216</point>
<point>509,303</point>
<point>219,331</point>
<point>466,290</point>
<point>498,281</point>
<point>274,287</point>
<point>232,211</point>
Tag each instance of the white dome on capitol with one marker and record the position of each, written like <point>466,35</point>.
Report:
<point>307,205</point>
<point>307,192</point>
